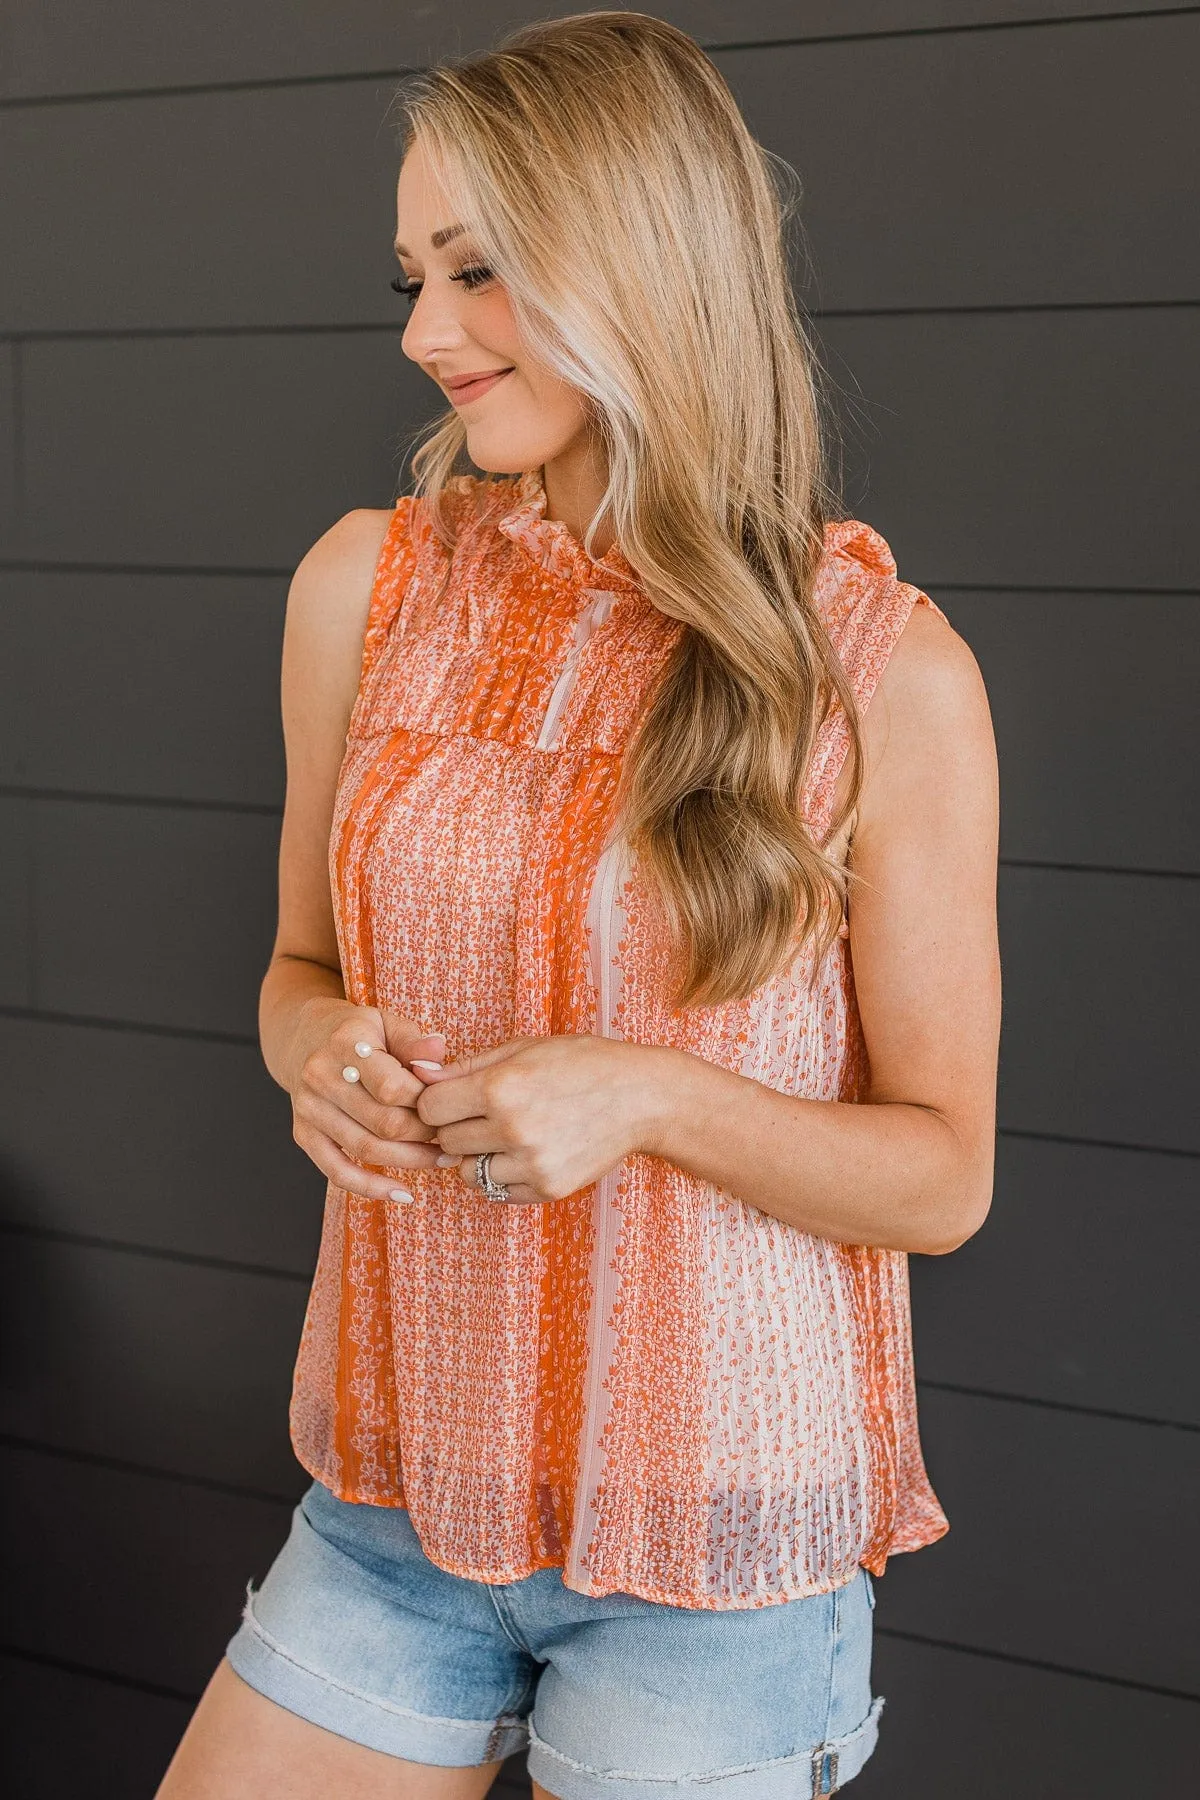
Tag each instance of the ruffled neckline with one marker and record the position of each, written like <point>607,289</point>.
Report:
<point>552,544</point>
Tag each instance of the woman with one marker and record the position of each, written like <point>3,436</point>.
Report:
<point>654,1019</point>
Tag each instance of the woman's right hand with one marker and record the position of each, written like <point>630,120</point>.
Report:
<point>353,1130</point>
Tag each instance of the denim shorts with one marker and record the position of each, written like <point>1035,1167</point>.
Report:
<point>355,1629</point>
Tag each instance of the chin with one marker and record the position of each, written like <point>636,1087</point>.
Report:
<point>495,466</point>
<point>494,459</point>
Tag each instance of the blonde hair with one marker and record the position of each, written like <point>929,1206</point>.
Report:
<point>608,178</point>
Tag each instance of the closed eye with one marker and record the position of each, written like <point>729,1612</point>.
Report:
<point>473,276</point>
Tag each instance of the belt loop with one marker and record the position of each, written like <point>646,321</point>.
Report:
<point>825,1772</point>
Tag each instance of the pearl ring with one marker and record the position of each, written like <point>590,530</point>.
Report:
<point>350,1073</point>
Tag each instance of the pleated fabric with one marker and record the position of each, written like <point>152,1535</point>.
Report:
<point>649,1384</point>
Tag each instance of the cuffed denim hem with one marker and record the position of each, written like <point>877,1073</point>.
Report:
<point>806,1776</point>
<point>448,1743</point>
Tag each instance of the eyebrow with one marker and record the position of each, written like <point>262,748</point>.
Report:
<point>437,240</point>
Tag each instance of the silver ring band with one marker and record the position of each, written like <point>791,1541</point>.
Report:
<point>495,1190</point>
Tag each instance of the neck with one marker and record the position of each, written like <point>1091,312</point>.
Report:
<point>574,482</point>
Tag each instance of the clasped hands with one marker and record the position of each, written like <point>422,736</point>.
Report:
<point>556,1112</point>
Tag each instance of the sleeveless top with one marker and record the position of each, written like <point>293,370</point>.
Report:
<point>649,1383</point>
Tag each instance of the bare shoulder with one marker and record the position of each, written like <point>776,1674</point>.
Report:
<point>928,723</point>
<point>931,666</point>
<point>328,602</point>
<point>335,576</point>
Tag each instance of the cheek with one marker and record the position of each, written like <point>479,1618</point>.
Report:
<point>493,324</point>
<point>554,402</point>
<point>557,403</point>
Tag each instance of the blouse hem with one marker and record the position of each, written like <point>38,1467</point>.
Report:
<point>874,1565</point>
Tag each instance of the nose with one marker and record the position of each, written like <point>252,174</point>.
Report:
<point>433,327</point>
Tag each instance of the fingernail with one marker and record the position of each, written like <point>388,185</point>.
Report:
<point>443,1162</point>
<point>401,1194</point>
<point>419,1062</point>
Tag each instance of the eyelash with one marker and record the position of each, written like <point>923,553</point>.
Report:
<point>473,276</point>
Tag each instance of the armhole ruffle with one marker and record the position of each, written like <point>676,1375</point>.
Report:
<point>865,607</point>
<point>393,572</point>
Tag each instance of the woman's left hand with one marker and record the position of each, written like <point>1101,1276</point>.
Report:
<point>556,1111</point>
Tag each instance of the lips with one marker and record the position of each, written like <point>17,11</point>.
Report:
<point>462,391</point>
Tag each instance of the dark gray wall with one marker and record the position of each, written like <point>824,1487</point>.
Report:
<point>199,372</point>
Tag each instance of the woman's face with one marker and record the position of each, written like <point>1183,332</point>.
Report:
<point>461,324</point>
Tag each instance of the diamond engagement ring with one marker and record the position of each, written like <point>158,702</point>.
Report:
<point>495,1190</point>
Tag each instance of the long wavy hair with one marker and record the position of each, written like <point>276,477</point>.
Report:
<point>609,179</point>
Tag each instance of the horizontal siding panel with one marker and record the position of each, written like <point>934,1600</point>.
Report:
<point>120,1739</point>
<point>1100,689</point>
<point>917,191</point>
<point>1024,449</point>
<point>1086,1253</point>
<point>279,209</point>
<point>212,1169</point>
<point>146,685</point>
<point>1098,1038</point>
<point>1065,1542</point>
<point>17,910</point>
<point>154,916</point>
<point>153,1362</point>
<point>135,1574</point>
<point>9,384</point>
<point>195,452</point>
<point>51,49</point>
<point>959,1724</point>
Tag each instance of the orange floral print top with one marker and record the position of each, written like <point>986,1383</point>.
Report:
<point>649,1383</point>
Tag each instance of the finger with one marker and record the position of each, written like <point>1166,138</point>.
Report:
<point>431,1045</point>
<point>461,1089</point>
<point>333,1162</point>
<point>390,1134</point>
<point>481,1059</point>
<point>367,1068</point>
<point>386,1116</point>
<point>386,1124</point>
<point>404,1039</point>
<point>421,1053</point>
<point>445,1101</point>
<point>389,1042</point>
<point>425,1054</point>
<point>505,1170</point>
<point>469,1137</point>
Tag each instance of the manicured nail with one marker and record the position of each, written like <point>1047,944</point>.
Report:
<point>419,1062</point>
<point>401,1194</point>
<point>443,1162</point>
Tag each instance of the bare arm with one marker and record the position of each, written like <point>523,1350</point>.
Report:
<point>308,1029</point>
<point>910,1169</point>
<point>322,653</point>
